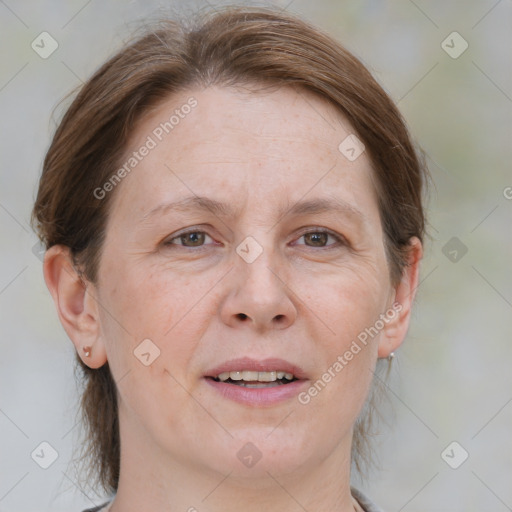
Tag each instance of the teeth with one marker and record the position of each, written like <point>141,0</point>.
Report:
<point>250,376</point>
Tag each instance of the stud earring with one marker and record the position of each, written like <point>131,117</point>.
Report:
<point>87,351</point>
<point>391,356</point>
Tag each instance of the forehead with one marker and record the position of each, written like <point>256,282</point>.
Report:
<point>263,120</point>
<point>240,145</point>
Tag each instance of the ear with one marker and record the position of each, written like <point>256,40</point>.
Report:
<point>396,322</point>
<point>76,305</point>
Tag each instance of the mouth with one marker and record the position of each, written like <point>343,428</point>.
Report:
<point>255,379</point>
<point>257,383</point>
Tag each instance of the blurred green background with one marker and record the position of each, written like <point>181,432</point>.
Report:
<point>452,379</point>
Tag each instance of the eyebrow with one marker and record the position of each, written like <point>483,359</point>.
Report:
<point>325,205</point>
<point>191,203</point>
<point>308,207</point>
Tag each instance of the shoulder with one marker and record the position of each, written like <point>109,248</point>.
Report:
<point>366,504</point>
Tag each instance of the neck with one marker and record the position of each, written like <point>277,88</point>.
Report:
<point>151,479</point>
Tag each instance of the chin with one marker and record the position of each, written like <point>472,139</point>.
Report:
<point>259,453</point>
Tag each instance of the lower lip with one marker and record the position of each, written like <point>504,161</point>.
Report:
<point>258,396</point>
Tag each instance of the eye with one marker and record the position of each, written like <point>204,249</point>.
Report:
<point>190,239</point>
<point>319,239</point>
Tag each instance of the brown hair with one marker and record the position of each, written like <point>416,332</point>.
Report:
<point>237,46</point>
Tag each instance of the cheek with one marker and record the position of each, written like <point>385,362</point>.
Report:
<point>149,340</point>
<point>144,301</point>
<point>141,304</point>
<point>156,398</point>
<point>346,300</point>
<point>346,310</point>
<point>347,352</point>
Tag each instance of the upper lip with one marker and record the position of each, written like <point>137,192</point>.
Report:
<point>263,365</point>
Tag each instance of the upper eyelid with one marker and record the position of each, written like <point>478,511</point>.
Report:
<point>304,231</point>
<point>338,236</point>
<point>168,240</point>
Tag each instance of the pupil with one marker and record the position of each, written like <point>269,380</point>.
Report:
<point>316,239</point>
<point>192,239</point>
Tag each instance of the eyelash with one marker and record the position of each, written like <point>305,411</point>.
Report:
<point>339,239</point>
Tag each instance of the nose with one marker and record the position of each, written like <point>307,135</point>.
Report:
<point>258,297</point>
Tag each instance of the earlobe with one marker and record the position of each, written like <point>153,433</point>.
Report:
<point>75,304</point>
<point>395,330</point>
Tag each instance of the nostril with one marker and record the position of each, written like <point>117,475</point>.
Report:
<point>279,317</point>
<point>242,316</point>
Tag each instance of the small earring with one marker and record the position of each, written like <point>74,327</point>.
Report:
<point>391,356</point>
<point>87,351</point>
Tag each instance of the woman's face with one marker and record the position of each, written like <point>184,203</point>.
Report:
<point>244,233</point>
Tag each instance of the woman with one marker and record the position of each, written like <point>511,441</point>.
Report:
<point>233,220</point>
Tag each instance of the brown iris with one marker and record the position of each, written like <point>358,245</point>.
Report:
<point>316,239</point>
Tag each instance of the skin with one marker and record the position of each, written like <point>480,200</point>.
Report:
<point>260,154</point>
